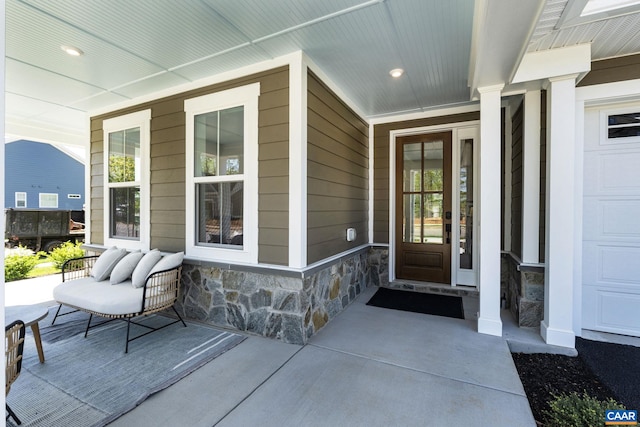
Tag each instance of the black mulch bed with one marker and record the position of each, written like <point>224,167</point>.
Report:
<point>603,370</point>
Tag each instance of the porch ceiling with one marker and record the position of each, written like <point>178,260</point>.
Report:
<point>135,48</point>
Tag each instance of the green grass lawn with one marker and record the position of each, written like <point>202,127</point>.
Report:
<point>44,267</point>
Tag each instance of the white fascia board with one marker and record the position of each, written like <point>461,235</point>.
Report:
<point>554,62</point>
<point>436,112</point>
<point>618,91</point>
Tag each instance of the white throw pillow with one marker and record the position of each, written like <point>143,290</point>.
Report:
<point>106,262</point>
<point>123,270</point>
<point>168,262</point>
<point>139,275</point>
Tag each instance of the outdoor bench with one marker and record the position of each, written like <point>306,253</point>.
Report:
<point>145,285</point>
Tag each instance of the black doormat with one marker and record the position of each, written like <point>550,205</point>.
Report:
<point>438,305</point>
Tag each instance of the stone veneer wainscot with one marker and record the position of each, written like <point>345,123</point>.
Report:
<point>285,305</point>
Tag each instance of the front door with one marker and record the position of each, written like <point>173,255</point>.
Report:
<point>423,207</point>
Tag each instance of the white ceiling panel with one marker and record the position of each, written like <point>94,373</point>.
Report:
<point>549,18</point>
<point>66,116</point>
<point>97,101</point>
<point>611,37</point>
<point>259,18</point>
<point>150,84</point>
<point>225,62</point>
<point>22,106</point>
<point>435,40</point>
<point>164,32</point>
<point>135,48</point>
<point>22,79</point>
<point>36,38</point>
<point>356,51</point>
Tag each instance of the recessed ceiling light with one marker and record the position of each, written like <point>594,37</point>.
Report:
<point>73,51</point>
<point>396,72</point>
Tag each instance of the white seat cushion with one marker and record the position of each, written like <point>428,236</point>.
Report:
<point>100,297</point>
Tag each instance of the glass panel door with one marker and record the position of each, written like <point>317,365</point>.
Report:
<point>423,206</point>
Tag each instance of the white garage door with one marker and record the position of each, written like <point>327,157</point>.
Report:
<point>611,233</point>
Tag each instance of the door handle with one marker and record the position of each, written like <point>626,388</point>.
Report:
<point>447,228</point>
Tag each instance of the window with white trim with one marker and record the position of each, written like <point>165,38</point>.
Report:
<point>126,180</point>
<point>21,199</point>
<point>222,175</point>
<point>48,200</point>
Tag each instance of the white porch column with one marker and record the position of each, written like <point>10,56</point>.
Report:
<point>490,151</point>
<point>2,128</point>
<point>557,326</point>
<point>531,178</point>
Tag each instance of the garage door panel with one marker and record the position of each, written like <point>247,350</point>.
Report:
<point>608,265</point>
<point>612,173</point>
<point>612,219</point>
<point>611,223</point>
<point>615,311</point>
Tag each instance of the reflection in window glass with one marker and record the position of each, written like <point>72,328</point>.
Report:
<point>220,220</point>
<point>124,155</point>
<point>623,125</point>
<point>466,204</point>
<point>433,166</point>
<point>432,219</point>
<point>412,161</point>
<point>423,181</point>
<point>219,142</point>
<point>125,213</point>
<point>411,218</point>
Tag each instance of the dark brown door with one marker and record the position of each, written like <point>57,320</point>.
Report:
<point>423,207</point>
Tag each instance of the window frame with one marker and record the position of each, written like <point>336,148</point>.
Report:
<point>142,120</point>
<point>48,194</point>
<point>604,120</point>
<point>20,195</point>
<point>246,96</point>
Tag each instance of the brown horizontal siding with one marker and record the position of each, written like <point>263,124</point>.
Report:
<point>516,181</point>
<point>612,70</point>
<point>337,173</point>
<point>543,174</point>
<point>167,164</point>
<point>381,165</point>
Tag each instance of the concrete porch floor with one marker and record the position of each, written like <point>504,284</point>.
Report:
<point>369,366</point>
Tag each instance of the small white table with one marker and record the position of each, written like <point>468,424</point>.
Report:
<point>30,315</point>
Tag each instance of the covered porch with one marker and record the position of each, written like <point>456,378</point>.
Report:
<point>369,366</point>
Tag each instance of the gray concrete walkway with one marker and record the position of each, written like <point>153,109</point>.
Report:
<point>369,366</point>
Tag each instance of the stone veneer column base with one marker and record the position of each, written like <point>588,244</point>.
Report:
<point>523,290</point>
<point>284,305</point>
